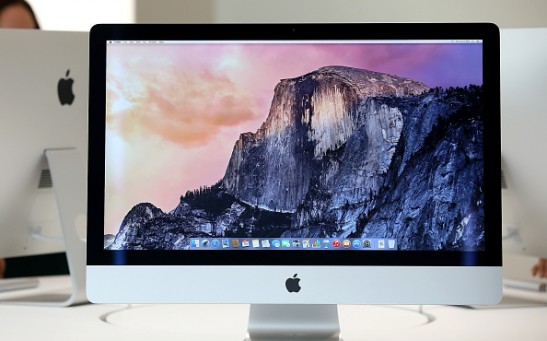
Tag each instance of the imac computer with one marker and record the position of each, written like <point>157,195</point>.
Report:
<point>524,119</point>
<point>294,167</point>
<point>43,145</point>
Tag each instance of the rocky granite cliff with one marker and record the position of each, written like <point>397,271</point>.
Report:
<point>311,116</point>
<point>344,152</point>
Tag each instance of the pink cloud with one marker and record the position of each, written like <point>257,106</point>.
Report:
<point>182,106</point>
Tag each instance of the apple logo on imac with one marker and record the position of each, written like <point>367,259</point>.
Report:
<point>64,89</point>
<point>293,283</point>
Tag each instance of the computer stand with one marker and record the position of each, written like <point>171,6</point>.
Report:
<point>69,185</point>
<point>269,322</point>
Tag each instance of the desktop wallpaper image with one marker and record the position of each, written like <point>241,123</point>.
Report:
<point>295,141</point>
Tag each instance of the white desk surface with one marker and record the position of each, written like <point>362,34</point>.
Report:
<point>228,322</point>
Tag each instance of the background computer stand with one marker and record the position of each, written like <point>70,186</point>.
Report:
<point>68,178</point>
<point>69,183</point>
<point>293,322</point>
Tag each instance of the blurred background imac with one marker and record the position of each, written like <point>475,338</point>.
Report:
<point>43,146</point>
<point>294,167</point>
<point>524,123</point>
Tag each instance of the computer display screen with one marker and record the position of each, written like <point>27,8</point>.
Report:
<point>291,146</point>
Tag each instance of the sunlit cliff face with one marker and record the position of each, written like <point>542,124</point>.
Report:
<point>310,116</point>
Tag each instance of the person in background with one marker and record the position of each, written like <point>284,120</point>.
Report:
<point>540,269</point>
<point>2,267</point>
<point>17,14</point>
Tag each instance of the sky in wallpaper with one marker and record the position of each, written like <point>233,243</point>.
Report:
<point>174,112</point>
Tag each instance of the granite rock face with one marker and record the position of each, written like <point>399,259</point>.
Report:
<point>432,196</point>
<point>344,152</point>
<point>311,116</point>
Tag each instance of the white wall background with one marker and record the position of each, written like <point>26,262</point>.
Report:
<point>502,12</point>
<point>505,13</point>
<point>80,15</point>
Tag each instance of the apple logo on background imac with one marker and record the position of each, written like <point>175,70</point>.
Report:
<point>292,283</point>
<point>64,89</point>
